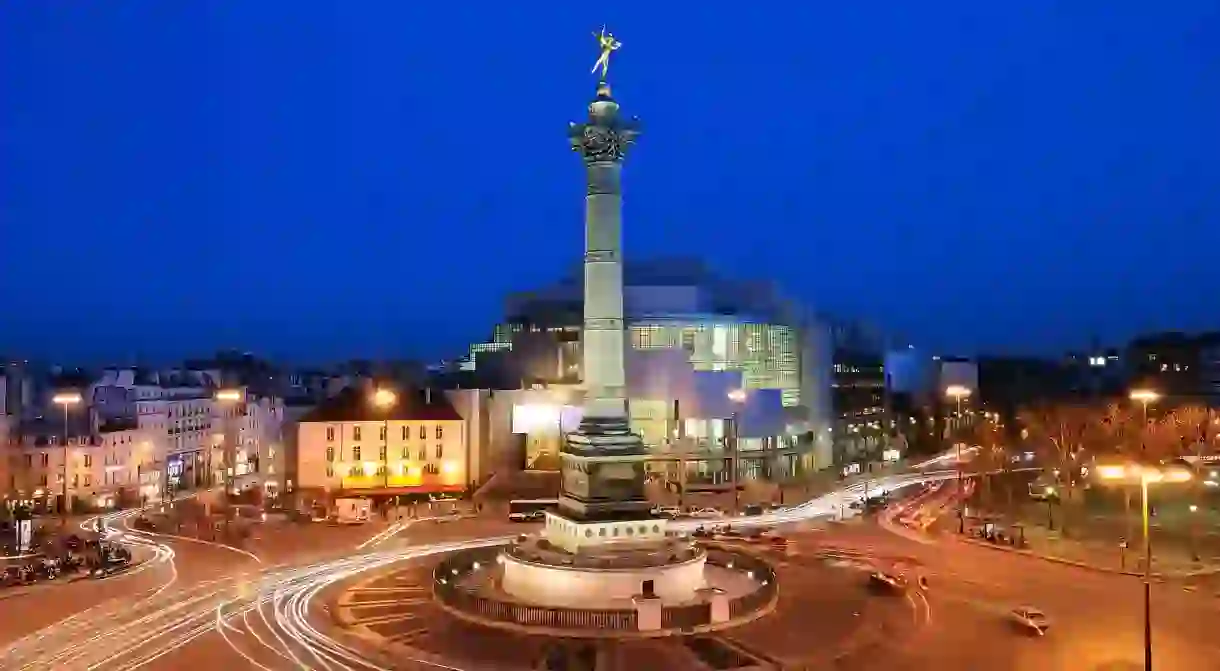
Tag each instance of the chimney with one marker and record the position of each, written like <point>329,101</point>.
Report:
<point>428,397</point>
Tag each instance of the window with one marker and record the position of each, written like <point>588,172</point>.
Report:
<point>356,453</point>
<point>423,432</point>
<point>406,453</point>
<point>45,459</point>
<point>381,434</point>
<point>88,480</point>
<point>330,471</point>
<point>29,460</point>
<point>330,454</point>
<point>440,432</point>
<point>88,463</point>
<point>382,454</point>
<point>440,451</point>
<point>330,433</point>
<point>42,480</point>
<point>423,453</point>
<point>405,435</point>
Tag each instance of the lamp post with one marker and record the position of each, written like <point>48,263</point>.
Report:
<point>384,400</point>
<point>1145,476</point>
<point>228,398</point>
<point>65,400</point>
<point>738,398</point>
<point>959,393</point>
<point>1144,397</point>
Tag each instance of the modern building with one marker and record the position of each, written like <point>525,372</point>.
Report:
<point>692,337</point>
<point>362,443</point>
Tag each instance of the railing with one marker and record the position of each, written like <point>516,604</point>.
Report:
<point>758,569</point>
<point>454,569</point>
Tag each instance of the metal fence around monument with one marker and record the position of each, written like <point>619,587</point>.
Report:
<point>450,572</point>
<point>758,569</point>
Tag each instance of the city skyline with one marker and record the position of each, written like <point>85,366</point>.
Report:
<point>315,191</point>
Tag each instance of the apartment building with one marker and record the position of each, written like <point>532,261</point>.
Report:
<point>361,443</point>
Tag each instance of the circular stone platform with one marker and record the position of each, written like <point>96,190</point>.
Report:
<point>729,589</point>
<point>536,572</point>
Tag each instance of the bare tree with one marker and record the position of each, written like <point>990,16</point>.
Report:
<point>1059,432</point>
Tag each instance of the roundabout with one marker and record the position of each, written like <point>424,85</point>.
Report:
<point>822,616</point>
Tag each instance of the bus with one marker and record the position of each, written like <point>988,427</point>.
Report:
<point>531,510</point>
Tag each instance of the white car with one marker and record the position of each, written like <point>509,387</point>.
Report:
<point>1030,619</point>
<point>671,512</point>
<point>706,513</point>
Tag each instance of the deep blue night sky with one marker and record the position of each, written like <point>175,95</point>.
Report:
<point>330,179</point>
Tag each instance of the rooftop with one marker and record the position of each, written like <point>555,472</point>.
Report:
<point>354,404</point>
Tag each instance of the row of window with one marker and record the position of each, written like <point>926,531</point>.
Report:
<point>356,433</point>
<point>44,460</point>
<point>381,453</point>
<point>76,481</point>
<point>359,471</point>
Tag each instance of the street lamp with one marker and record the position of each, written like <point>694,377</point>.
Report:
<point>738,398</point>
<point>65,400</point>
<point>227,398</point>
<point>1145,475</point>
<point>384,399</point>
<point>959,393</point>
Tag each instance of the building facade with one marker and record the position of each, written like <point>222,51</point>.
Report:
<point>689,334</point>
<point>350,446</point>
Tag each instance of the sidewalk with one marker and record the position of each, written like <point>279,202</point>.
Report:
<point>1170,558</point>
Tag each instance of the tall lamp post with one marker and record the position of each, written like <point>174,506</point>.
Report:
<point>1146,476</point>
<point>1143,397</point>
<point>384,400</point>
<point>959,393</point>
<point>228,398</point>
<point>738,399</point>
<point>65,400</point>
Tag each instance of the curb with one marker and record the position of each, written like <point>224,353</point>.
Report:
<point>1085,565</point>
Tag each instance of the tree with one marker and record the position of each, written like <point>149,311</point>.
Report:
<point>1192,423</point>
<point>993,455</point>
<point>1058,434</point>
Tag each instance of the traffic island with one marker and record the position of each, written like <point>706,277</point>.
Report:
<point>675,591</point>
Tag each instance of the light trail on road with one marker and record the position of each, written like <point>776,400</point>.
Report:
<point>278,600</point>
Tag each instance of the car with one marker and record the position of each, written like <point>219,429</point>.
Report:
<point>531,516</point>
<point>1030,620</point>
<point>671,512</point>
<point>885,582</point>
<point>706,513</point>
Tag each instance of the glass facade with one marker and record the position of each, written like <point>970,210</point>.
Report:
<point>767,355</point>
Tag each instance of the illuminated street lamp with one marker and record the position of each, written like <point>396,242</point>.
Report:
<point>384,399</point>
<point>227,398</point>
<point>65,400</point>
<point>1144,396</point>
<point>959,393</point>
<point>1145,475</point>
<point>738,398</point>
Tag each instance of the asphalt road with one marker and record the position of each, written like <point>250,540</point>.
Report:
<point>1096,618</point>
<point>273,615</point>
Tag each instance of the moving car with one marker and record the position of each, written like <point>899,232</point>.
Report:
<point>1030,620</point>
<point>884,582</point>
<point>672,512</point>
<point>706,513</point>
<point>530,510</point>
